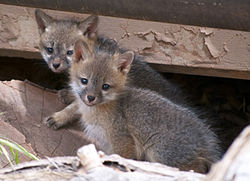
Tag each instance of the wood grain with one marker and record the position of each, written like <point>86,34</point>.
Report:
<point>229,14</point>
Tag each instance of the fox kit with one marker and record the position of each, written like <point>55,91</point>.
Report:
<point>133,122</point>
<point>57,38</point>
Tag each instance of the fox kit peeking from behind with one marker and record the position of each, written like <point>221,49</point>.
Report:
<point>57,38</point>
<point>133,122</point>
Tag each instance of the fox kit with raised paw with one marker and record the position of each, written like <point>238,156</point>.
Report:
<point>57,38</point>
<point>133,122</point>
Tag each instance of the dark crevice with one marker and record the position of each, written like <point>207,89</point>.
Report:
<point>35,71</point>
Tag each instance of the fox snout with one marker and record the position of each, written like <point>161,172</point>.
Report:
<point>58,65</point>
<point>55,65</point>
<point>89,99</point>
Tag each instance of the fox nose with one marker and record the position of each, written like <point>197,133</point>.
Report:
<point>90,98</point>
<point>56,65</point>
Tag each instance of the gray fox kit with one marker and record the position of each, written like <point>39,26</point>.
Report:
<point>57,38</point>
<point>133,122</point>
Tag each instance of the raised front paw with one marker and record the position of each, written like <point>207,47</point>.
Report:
<point>53,122</point>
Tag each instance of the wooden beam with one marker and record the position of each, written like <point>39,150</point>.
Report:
<point>168,47</point>
<point>229,14</point>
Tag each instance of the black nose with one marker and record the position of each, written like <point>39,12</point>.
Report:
<point>91,98</point>
<point>56,65</point>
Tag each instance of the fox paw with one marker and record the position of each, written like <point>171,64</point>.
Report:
<point>51,122</point>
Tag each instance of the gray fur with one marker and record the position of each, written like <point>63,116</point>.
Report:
<point>139,123</point>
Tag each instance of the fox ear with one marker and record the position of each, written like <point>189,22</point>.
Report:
<point>43,20</point>
<point>89,26</point>
<point>123,62</point>
<point>80,51</point>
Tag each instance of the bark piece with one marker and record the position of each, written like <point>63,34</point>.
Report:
<point>25,106</point>
<point>11,133</point>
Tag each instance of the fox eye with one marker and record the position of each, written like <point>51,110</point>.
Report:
<point>49,50</point>
<point>105,87</point>
<point>84,81</point>
<point>70,52</point>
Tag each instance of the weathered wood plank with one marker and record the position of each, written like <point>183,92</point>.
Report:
<point>24,107</point>
<point>169,47</point>
<point>229,14</point>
